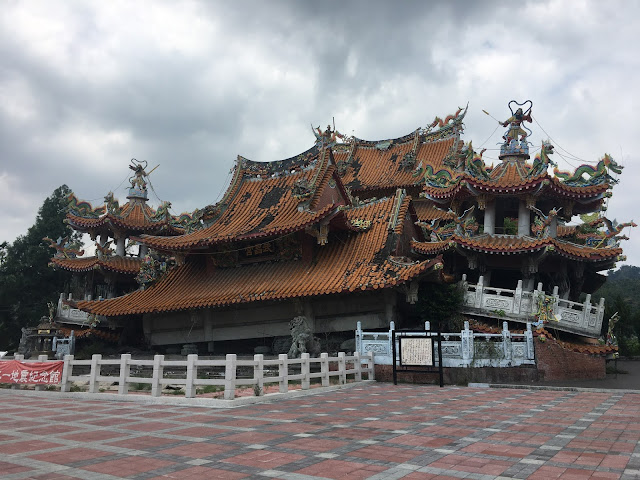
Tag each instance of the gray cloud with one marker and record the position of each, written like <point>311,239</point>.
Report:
<point>85,87</point>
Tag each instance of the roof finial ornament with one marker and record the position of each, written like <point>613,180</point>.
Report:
<point>137,180</point>
<point>515,142</point>
<point>328,138</point>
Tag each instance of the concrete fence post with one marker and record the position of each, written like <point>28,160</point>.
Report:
<point>324,369</point>
<point>506,341</point>
<point>283,372</point>
<point>466,337</point>
<point>517,298</point>
<point>586,311</point>
<point>305,370</point>
<point>125,369</point>
<point>392,327</point>
<point>67,371</point>
<point>158,374</point>
<point>42,358</point>
<point>359,336</point>
<point>258,372</point>
<point>230,376</point>
<point>528,335</point>
<point>371,375</point>
<point>192,375</point>
<point>358,366</point>
<point>479,291</point>
<point>342,367</point>
<point>96,358</point>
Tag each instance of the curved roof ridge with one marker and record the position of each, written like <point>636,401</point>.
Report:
<point>282,164</point>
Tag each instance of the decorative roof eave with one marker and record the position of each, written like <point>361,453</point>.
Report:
<point>432,248</point>
<point>160,243</point>
<point>134,304</point>
<point>125,265</point>
<point>524,245</point>
<point>543,182</point>
<point>107,221</point>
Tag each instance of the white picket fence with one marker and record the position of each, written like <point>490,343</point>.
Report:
<point>184,373</point>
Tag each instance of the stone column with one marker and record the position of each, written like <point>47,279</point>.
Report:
<point>120,244</point>
<point>490,218</point>
<point>524,219</point>
<point>553,227</point>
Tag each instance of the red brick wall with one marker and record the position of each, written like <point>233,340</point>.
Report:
<point>557,363</point>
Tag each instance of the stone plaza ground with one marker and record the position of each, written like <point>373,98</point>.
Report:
<point>372,430</point>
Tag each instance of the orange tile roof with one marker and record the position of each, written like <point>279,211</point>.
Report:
<point>371,168</point>
<point>507,244</point>
<point>427,211</point>
<point>509,177</point>
<point>566,230</point>
<point>134,215</point>
<point>265,204</point>
<point>130,265</point>
<point>359,262</point>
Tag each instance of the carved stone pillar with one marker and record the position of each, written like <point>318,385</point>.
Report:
<point>120,246</point>
<point>490,218</point>
<point>553,227</point>
<point>524,219</point>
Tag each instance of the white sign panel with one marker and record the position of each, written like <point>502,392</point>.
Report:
<point>416,351</point>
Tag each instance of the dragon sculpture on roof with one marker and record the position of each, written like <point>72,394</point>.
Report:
<point>542,160</point>
<point>83,209</point>
<point>594,175</point>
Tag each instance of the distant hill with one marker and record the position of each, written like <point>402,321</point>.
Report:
<point>624,282</point>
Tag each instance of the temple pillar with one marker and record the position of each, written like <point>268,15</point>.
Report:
<point>524,219</point>
<point>528,283</point>
<point>120,246</point>
<point>390,300</point>
<point>490,218</point>
<point>553,227</point>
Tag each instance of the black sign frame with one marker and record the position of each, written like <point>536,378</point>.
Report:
<point>435,337</point>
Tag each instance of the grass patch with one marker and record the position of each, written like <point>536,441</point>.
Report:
<point>209,389</point>
<point>138,386</point>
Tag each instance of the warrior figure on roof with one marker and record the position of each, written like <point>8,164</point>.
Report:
<point>137,180</point>
<point>516,132</point>
<point>328,137</point>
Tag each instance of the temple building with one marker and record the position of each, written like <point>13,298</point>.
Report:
<point>115,269</point>
<point>348,230</point>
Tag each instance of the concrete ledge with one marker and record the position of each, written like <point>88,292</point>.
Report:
<point>182,401</point>
<point>549,387</point>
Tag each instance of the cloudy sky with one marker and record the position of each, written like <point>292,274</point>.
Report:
<point>86,86</point>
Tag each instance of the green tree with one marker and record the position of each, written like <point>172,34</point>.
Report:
<point>620,296</point>
<point>27,283</point>
<point>440,304</point>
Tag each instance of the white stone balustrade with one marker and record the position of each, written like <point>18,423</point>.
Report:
<point>460,349</point>
<point>68,314</point>
<point>155,372</point>
<point>521,305</point>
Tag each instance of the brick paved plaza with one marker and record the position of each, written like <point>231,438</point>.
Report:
<point>371,430</point>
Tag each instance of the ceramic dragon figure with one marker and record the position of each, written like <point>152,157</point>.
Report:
<point>163,211</point>
<point>542,161</point>
<point>594,175</point>
<point>542,223</point>
<point>64,249</point>
<point>442,178</point>
<point>473,164</point>
<point>82,208</point>
<point>113,206</point>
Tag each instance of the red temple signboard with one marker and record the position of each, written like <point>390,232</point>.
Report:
<point>41,373</point>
